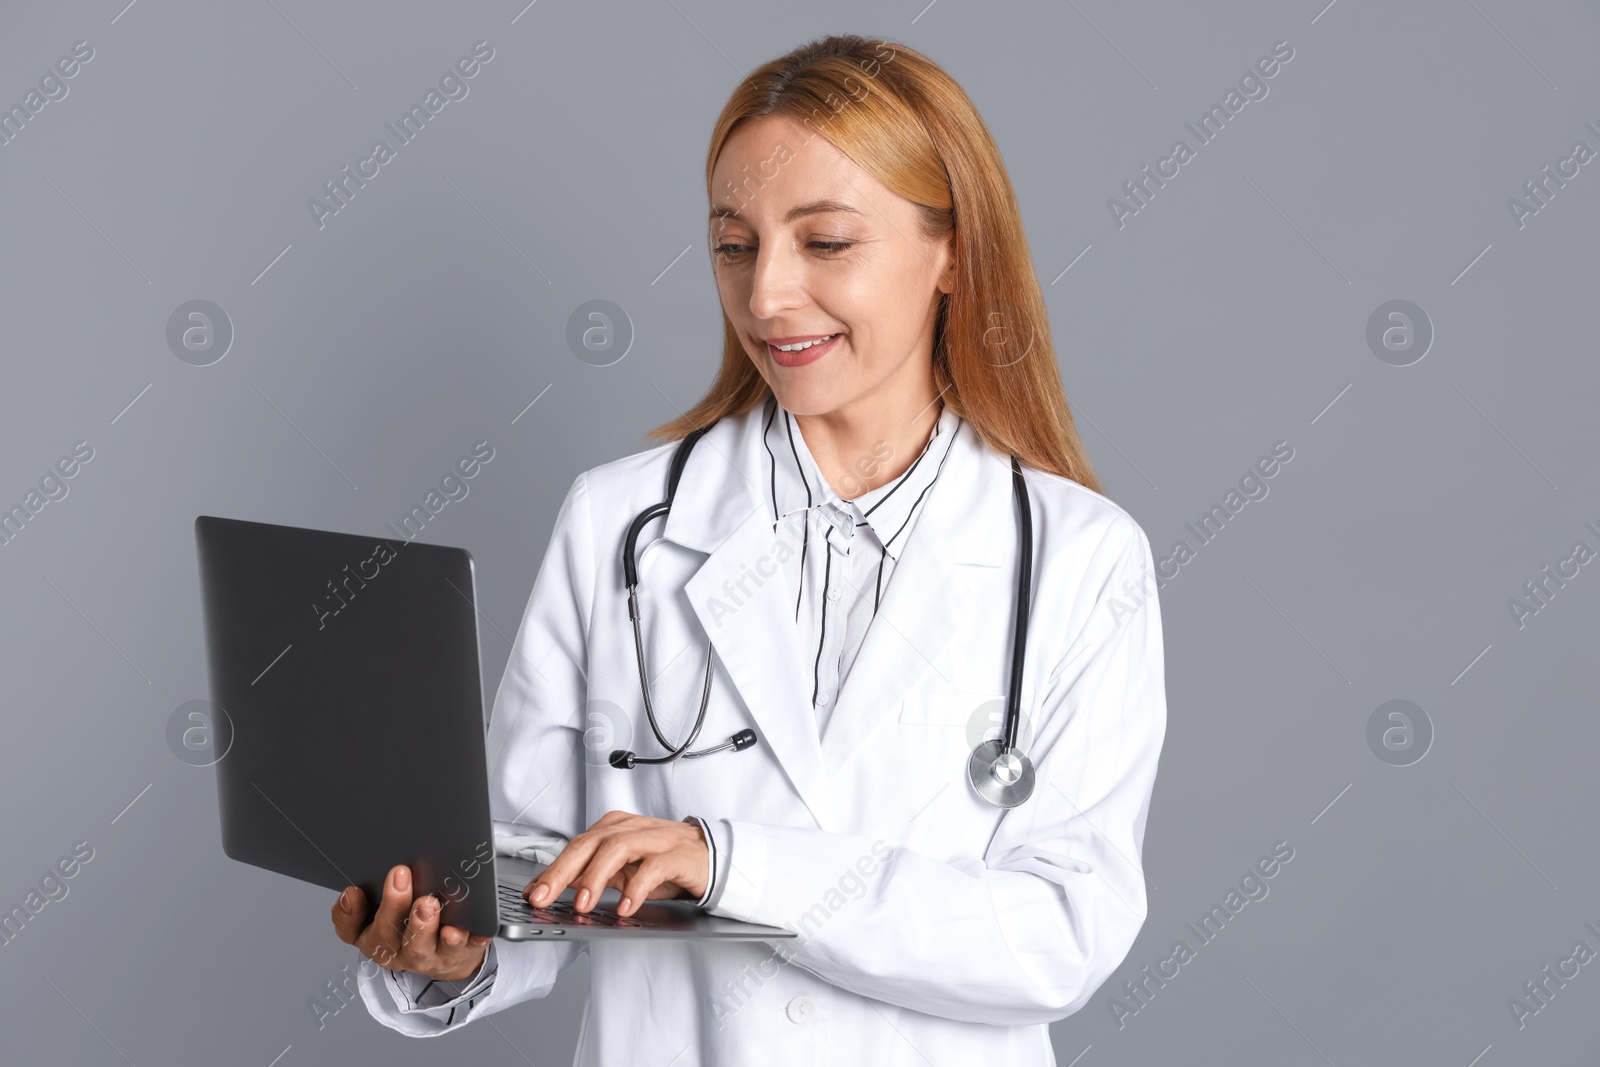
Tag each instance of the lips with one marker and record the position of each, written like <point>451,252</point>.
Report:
<point>800,358</point>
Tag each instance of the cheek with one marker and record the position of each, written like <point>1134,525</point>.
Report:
<point>882,295</point>
<point>735,300</point>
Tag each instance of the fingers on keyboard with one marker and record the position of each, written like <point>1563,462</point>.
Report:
<point>513,904</point>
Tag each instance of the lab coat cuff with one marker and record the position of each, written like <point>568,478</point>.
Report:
<point>526,969</point>
<point>742,890</point>
<point>711,860</point>
<point>721,841</point>
<point>417,993</point>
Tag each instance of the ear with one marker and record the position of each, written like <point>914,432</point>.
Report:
<point>947,269</point>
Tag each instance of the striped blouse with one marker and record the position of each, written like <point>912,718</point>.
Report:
<point>844,551</point>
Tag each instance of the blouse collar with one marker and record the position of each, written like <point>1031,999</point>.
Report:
<point>794,482</point>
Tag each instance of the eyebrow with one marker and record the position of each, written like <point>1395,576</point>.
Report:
<point>816,207</point>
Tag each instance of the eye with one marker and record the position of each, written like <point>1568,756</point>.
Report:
<point>728,251</point>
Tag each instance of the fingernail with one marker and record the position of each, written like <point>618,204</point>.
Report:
<point>627,902</point>
<point>583,898</point>
<point>402,879</point>
<point>344,902</point>
<point>540,891</point>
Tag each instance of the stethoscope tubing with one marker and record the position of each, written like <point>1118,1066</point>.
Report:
<point>1019,644</point>
<point>1007,750</point>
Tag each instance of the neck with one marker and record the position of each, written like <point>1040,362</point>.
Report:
<point>873,440</point>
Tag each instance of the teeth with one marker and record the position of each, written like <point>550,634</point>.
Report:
<point>803,345</point>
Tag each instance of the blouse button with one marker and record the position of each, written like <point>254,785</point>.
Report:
<point>822,698</point>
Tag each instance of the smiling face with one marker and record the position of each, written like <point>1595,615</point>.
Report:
<point>807,245</point>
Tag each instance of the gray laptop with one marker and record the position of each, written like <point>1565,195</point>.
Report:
<point>337,661</point>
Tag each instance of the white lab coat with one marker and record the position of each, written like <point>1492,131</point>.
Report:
<point>936,929</point>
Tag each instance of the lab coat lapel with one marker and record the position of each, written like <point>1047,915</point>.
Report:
<point>750,619</point>
<point>741,600</point>
<point>929,600</point>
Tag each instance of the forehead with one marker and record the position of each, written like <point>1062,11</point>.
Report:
<point>772,165</point>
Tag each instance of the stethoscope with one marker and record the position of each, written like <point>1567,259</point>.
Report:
<point>999,770</point>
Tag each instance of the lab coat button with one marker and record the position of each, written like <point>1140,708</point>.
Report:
<point>823,698</point>
<point>800,1009</point>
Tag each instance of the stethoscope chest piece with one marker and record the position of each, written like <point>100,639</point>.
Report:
<point>1004,779</point>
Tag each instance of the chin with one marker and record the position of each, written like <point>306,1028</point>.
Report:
<point>803,401</point>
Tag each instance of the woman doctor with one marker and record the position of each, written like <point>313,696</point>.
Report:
<point>844,543</point>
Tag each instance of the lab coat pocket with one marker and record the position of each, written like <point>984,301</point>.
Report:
<point>947,709</point>
<point>938,730</point>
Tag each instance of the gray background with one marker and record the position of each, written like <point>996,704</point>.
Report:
<point>1229,314</point>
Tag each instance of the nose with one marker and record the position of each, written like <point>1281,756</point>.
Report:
<point>777,283</point>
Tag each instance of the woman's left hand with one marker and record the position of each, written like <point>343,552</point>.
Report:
<point>643,857</point>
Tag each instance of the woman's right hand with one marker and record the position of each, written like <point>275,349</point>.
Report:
<point>448,954</point>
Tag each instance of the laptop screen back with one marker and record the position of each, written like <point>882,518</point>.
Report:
<point>348,710</point>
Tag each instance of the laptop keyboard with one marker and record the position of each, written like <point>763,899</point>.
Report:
<point>514,907</point>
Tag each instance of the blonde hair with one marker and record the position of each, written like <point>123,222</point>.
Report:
<point>903,120</point>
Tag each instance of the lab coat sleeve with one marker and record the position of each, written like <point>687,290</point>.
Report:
<point>536,767</point>
<point>1027,935</point>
